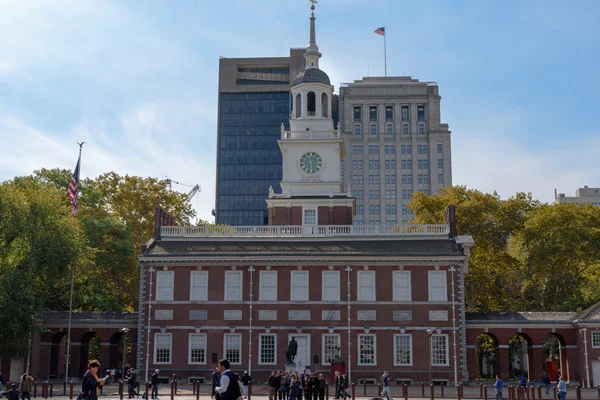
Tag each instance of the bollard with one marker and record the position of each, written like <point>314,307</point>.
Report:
<point>147,389</point>
<point>578,392</point>
<point>422,389</point>
<point>353,391</point>
<point>442,388</point>
<point>554,394</point>
<point>194,387</point>
<point>71,390</point>
<point>458,396</point>
<point>250,390</point>
<point>34,389</point>
<point>539,388</point>
<point>481,390</point>
<point>365,388</point>
<point>598,392</point>
<point>172,389</point>
<point>485,393</point>
<point>405,391</point>
<point>46,390</point>
<point>198,389</point>
<point>462,393</point>
<point>431,392</point>
<point>121,389</point>
<point>326,390</point>
<point>51,388</point>
<point>533,393</point>
<point>65,388</point>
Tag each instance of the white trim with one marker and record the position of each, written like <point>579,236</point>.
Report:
<point>310,208</point>
<point>592,334</point>
<point>358,291</point>
<point>260,336</point>
<point>170,335</point>
<point>203,296</point>
<point>190,349</point>
<point>339,342</point>
<point>410,364</point>
<point>299,273</point>
<point>440,273</point>
<point>447,350</point>
<point>374,349</point>
<point>227,274</point>
<point>160,274</point>
<point>304,335</point>
<point>260,285</point>
<point>409,285</point>
<point>338,280</point>
<point>225,335</point>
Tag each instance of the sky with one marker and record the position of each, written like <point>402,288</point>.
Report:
<point>137,81</point>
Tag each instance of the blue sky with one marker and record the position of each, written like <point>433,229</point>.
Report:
<point>137,80</point>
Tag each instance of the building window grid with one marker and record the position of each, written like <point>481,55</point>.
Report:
<point>389,129</point>
<point>441,179</point>
<point>163,348</point>
<point>299,282</point>
<point>357,129</point>
<point>331,342</point>
<point>360,209</point>
<point>357,114</point>
<point>233,285</point>
<point>440,163</point>
<point>199,286</point>
<point>402,349</point>
<point>373,129</point>
<point>268,286</point>
<point>421,128</point>
<point>389,113</point>
<point>405,113</point>
<point>309,216</point>
<point>331,286</point>
<point>595,339</point>
<point>197,348</point>
<point>366,350</point>
<point>440,148</point>
<point>233,347</point>
<point>366,284</point>
<point>164,285</point>
<point>438,290</point>
<point>439,350</point>
<point>267,351</point>
<point>420,113</point>
<point>373,113</point>
<point>405,129</point>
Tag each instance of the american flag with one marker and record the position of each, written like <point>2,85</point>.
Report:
<point>72,192</point>
<point>380,31</point>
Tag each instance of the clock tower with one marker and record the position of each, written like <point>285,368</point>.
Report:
<point>311,188</point>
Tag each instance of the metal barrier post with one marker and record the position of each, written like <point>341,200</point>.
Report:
<point>51,388</point>
<point>250,390</point>
<point>71,390</point>
<point>431,392</point>
<point>578,392</point>
<point>365,388</point>
<point>121,389</point>
<point>326,390</point>
<point>485,393</point>
<point>481,390</point>
<point>353,391</point>
<point>442,388</point>
<point>172,389</point>
<point>405,391</point>
<point>422,389</point>
<point>458,396</point>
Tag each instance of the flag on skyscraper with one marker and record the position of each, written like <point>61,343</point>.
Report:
<point>380,31</point>
<point>72,191</point>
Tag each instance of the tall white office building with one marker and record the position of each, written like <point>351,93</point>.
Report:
<point>395,145</point>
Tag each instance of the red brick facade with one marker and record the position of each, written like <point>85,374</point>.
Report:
<point>336,215</point>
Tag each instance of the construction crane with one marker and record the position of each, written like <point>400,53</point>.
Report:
<point>195,188</point>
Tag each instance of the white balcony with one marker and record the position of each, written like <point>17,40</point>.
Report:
<point>309,135</point>
<point>304,231</point>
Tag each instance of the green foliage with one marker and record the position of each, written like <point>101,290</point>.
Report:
<point>94,349</point>
<point>546,256</point>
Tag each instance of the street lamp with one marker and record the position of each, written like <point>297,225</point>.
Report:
<point>125,331</point>
<point>430,332</point>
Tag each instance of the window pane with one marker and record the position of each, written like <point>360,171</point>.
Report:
<point>198,348</point>
<point>373,113</point>
<point>421,113</point>
<point>439,350</point>
<point>389,113</point>
<point>164,285</point>
<point>233,290</point>
<point>233,348</point>
<point>299,286</point>
<point>403,349</point>
<point>162,348</point>
<point>357,113</point>
<point>366,350</point>
<point>331,285</point>
<point>267,349</point>
<point>405,113</point>
<point>330,345</point>
<point>199,291</point>
<point>268,286</point>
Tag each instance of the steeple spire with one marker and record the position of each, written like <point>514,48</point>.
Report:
<point>312,54</point>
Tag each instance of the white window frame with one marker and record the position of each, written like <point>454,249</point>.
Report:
<point>410,348</point>
<point>261,290</point>
<point>409,280</point>
<point>225,336</point>
<point>597,334</point>
<point>360,336</point>
<point>260,336</point>
<point>443,297</point>
<point>226,294</point>
<point>190,348</point>
<point>159,275</point>
<point>293,295</point>
<point>203,295</point>
<point>323,340</point>
<point>325,292</point>
<point>304,210</point>
<point>170,336</point>
<point>359,293</point>
<point>447,350</point>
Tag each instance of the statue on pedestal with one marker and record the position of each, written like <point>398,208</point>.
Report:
<point>290,354</point>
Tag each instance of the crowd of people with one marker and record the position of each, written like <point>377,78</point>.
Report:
<point>561,386</point>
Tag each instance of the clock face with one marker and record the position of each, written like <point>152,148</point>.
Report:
<point>311,163</point>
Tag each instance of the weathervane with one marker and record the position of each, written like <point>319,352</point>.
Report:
<point>312,7</point>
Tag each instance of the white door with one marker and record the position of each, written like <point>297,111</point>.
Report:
<point>596,373</point>
<point>303,354</point>
<point>17,368</point>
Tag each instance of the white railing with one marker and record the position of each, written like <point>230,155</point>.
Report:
<point>309,135</point>
<point>304,231</point>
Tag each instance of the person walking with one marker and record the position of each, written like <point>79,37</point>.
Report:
<point>272,383</point>
<point>216,380</point>
<point>91,383</point>
<point>25,386</point>
<point>154,382</point>
<point>13,393</point>
<point>322,384</point>
<point>246,379</point>
<point>228,388</point>
<point>385,387</point>
<point>561,387</point>
<point>498,387</point>
<point>132,383</point>
<point>547,383</point>
<point>113,374</point>
<point>1,382</point>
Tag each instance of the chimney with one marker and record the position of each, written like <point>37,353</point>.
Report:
<point>157,222</point>
<point>450,219</point>
<point>555,195</point>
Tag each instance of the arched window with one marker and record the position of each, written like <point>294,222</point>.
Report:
<point>298,105</point>
<point>311,104</point>
<point>325,104</point>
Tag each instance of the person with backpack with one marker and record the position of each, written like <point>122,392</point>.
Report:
<point>229,388</point>
<point>91,384</point>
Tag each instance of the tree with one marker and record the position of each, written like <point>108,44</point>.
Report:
<point>491,221</point>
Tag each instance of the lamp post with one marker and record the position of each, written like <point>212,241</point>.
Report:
<point>430,333</point>
<point>125,331</point>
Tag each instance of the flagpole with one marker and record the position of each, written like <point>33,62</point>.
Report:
<point>71,295</point>
<point>385,50</point>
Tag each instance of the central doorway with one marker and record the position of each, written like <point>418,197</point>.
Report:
<point>302,359</point>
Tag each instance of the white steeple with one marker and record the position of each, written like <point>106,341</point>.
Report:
<point>312,54</point>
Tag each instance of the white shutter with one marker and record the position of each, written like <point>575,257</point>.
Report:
<point>199,286</point>
<point>437,286</point>
<point>402,290</point>
<point>164,285</point>
<point>233,285</point>
<point>366,285</point>
<point>331,286</point>
<point>299,286</point>
<point>268,286</point>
